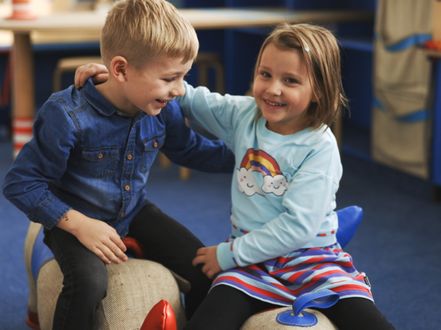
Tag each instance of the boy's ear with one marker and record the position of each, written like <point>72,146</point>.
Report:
<point>118,68</point>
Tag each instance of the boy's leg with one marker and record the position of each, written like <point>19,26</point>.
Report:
<point>166,241</point>
<point>225,308</point>
<point>84,284</point>
<point>357,313</point>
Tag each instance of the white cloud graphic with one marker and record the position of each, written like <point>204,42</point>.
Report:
<point>276,185</point>
<point>247,182</point>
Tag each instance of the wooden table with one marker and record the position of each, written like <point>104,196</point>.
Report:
<point>90,22</point>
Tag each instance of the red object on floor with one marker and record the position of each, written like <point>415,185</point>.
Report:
<point>32,321</point>
<point>160,317</point>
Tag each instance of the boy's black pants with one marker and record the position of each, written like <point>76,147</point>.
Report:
<point>163,240</point>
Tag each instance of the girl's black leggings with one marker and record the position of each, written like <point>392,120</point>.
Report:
<point>226,308</point>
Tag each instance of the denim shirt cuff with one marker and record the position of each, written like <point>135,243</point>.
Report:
<point>49,212</point>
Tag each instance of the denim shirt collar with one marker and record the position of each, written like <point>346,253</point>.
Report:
<point>97,100</point>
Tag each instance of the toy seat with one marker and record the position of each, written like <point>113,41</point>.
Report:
<point>134,287</point>
<point>349,219</point>
<point>268,321</point>
<point>137,285</point>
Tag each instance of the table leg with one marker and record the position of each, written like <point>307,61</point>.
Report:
<point>22,90</point>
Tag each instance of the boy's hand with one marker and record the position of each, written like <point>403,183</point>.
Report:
<point>99,73</point>
<point>207,257</point>
<point>96,235</point>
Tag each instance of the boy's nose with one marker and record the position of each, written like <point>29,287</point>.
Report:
<point>178,89</point>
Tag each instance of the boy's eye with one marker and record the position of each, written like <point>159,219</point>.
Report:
<point>171,79</point>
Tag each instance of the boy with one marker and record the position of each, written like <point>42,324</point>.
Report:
<point>83,175</point>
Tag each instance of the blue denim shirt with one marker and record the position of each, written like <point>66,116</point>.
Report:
<point>86,156</point>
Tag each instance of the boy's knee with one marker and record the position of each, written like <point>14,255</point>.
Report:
<point>89,281</point>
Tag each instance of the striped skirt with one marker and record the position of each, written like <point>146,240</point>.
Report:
<point>279,281</point>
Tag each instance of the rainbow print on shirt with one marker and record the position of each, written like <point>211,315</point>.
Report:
<point>256,160</point>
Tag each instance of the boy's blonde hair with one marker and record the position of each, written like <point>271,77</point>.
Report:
<point>321,53</point>
<point>142,29</point>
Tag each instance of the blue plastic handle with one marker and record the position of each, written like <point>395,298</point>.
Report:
<point>297,317</point>
<point>320,299</point>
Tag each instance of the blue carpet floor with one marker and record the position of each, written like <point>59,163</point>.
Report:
<point>398,243</point>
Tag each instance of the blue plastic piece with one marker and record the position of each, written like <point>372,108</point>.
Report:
<point>298,317</point>
<point>304,319</point>
<point>40,254</point>
<point>349,218</point>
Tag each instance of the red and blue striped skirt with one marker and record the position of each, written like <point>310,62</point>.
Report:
<point>279,281</point>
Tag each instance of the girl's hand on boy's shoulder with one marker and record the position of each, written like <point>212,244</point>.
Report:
<point>206,256</point>
<point>98,72</point>
<point>96,235</point>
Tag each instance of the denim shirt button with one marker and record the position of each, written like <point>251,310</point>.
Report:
<point>155,144</point>
<point>100,155</point>
<point>129,156</point>
<point>127,187</point>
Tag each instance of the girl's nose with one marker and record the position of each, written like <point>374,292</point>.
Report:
<point>274,88</point>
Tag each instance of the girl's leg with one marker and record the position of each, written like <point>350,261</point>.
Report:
<point>166,241</point>
<point>225,308</point>
<point>357,313</point>
<point>84,284</point>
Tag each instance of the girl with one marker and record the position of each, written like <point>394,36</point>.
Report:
<point>283,240</point>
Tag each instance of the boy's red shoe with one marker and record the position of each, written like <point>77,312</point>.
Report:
<point>160,317</point>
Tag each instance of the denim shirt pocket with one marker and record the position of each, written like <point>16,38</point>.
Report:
<point>102,162</point>
<point>151,147</point>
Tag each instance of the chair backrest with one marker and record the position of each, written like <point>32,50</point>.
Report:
<point>349,218</point>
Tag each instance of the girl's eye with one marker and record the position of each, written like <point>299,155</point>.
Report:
<point>264,74</point>
<point>291,81</point>
<point>170,79</point>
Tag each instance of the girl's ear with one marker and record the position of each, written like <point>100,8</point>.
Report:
<point>118,68</point>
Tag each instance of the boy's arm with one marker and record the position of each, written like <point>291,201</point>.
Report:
<point>188,148</point>
<point>41,162</point>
